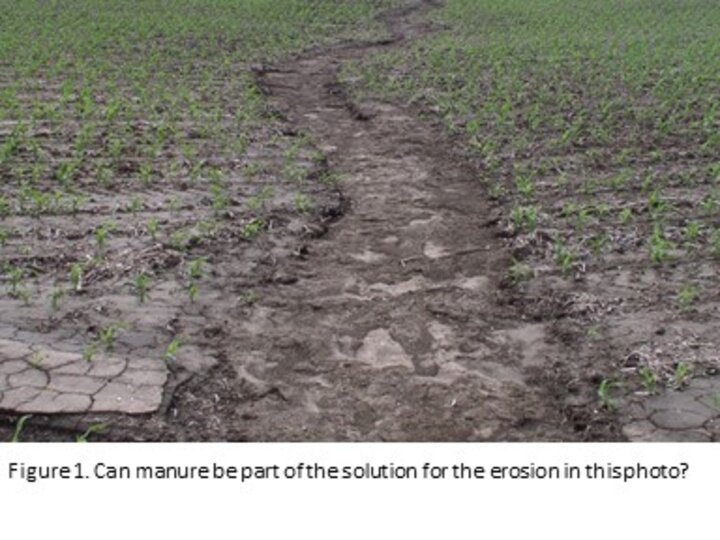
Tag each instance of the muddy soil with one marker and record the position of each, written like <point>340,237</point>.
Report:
<point>383,315</point>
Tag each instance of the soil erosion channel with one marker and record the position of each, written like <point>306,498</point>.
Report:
<point>391,331</point>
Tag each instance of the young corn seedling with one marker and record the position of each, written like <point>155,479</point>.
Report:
<point>76,202</point>
<point>196,269</point>
<point>602,210</point>
<point>146,174</point>
<point>66,173</point>
<point>647,183</point>
<point>142,286</point>
<point>687,296</point>
<point>692,232</point>
<point>659,246</point>
<point>563,257</point>
<point>90,351</point>
<point>108,335</point>
<point>524,217</point>
<point>253,228</point>
<point>259,201</point>
<point>4,207</point>
<point>599,243</point>
<point>192,290</point>
<point>605,393</point>
<point>303,203</point>
<point>15,277</point>
<point>583,218</point>
<point>649,380</point>
<point>152,228</point>
<point>656,204</point>
<point>91,430</point>
<point>710,204</point>
<point>172,349</point>
<point>19,426</point>
<point>220,199</point>
<point>105,176</point>
<point>594,332</point>
<point>36,359</point>
<point>207,228</point>
<point>569,209</point>
<point>76,276</point>
<point>497,191</point>
<point>136,205</point>
<point>682,373</point>
<point>57,294</point>
<point>24,295</point>
<point>101,235</point>
<point>520,272</point>
<point>525,186</point>
<point>180,240</point>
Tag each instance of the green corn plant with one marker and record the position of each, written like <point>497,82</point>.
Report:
<point>659,245</point>
<point>599,243</point>
<point>105,175</point>
<point>90,351</point>
<point>180,240</point>
<point>57,294</point>
<point>136,205</point>
<point>563,257</point>
<point>109,334</point>
<point>36,359</point>
<point>207,228</point>
<point>605,391</point>
<point>4,207</point>
<point>583,218</point>
<point>220,199</point>
<point>76,202</point>
<point>687,295</point>
<point>681,374</point>
<point>692,232</point>
<point>65,173</point>
<point>710,204</point>
<point>15,277</point>
<point>602,209</point>
<point>569,209</point>
<point>520,272</point>
<point>196,268</point>
<point>525,217</point>
<point>525,185</point>
<point>252,228</point>
<point>172,349</point>
<point>142,286</point>
<point>24,295</point>
<point>192,290</point>
<point>91,430</point>
<point>146,174</point>
<point>19,426</point>
<point>656,204</point>
<point>303,203</point>
<point>152,228</point>
<point>76,276</point>
<point>259,201</point>
<point>101,235</point>
<point>649,380</point>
